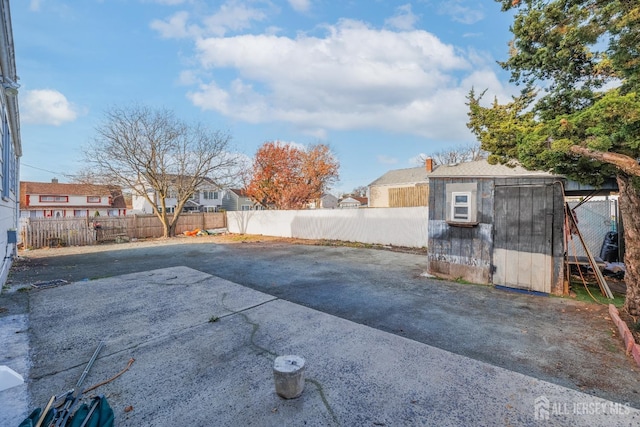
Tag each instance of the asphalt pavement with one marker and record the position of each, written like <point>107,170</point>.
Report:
<point>385,345</point>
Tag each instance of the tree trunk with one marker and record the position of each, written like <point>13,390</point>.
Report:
<point>165,223</point>
<point>172,226</point>
<point>630,209</point>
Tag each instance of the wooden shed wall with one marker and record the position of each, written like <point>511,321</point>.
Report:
<point>467,252</point>
<point>460,252</point>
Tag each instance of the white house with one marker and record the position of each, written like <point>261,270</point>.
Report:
<point>327,201</point>
<point>208,198</point>
<point>10,144</point>
<point>57,200</point>
<point>353,202</point>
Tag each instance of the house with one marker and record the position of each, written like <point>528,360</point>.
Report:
<point>57,200</point>
<point>493,224</point>
<point>208,198</point>
<point>327,201</point>
<point>401,188</point>
<point>238,200</point>
<point>353,202</point>
<point>10,144</point>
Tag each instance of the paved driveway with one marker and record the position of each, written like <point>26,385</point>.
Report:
<point>562,341</point>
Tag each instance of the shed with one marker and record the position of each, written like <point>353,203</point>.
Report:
<point>494,224</point>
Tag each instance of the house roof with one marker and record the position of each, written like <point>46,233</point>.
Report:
<point>482,168</point>
<point>478,168</point>
<point>353,199</point>
<point>239,192</point>
<point>362,200</point>
<point>54,188</point>
<point>402,176</point>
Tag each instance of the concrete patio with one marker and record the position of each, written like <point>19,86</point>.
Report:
<point>204,350</point>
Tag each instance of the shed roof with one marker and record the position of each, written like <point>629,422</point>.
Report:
<point>482,168</point>
<point>402,176</point>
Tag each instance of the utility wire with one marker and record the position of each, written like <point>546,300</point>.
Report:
<point>47,170</point>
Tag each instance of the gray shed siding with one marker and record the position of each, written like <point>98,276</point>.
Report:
<point>518,238</point>
<point>460,252</point>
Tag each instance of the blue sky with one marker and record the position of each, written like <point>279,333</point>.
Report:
<point>380,82</point>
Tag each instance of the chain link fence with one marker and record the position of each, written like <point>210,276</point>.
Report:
<point>596,218</point>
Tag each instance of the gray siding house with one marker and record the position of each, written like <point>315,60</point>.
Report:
<point>237,200</point>
<point>10,145</point>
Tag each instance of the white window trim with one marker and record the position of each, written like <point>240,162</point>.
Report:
<point>455,205</point>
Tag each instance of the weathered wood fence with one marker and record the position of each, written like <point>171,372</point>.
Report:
<point>409,196</point>
<point>50,232</point>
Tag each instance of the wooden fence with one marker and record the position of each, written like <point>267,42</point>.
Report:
<point>409,196</point>
<point>51,232</point>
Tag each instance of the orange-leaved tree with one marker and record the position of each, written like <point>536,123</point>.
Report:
<point>285,176</point>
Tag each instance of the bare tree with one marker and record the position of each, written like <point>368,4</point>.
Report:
<point>360,191</point>
<point>460,154</point>
<point>158,156</point>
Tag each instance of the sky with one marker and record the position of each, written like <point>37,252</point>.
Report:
<point>380,82</point>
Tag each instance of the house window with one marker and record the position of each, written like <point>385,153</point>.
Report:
<point>245,207</point>
<point>211,195</point>
<point>94,199</point>
<point>61,199</point>
<point>80,213</point>
<point>461,206</point>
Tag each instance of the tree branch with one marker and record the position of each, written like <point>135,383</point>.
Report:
<point>627,164</point>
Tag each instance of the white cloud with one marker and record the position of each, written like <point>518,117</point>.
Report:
<point>386,160</point>
<point>170,2</point>
<point>174,27</point>
<point>34,5</point>
<point>188,78</point>
<point>404,19</point>
<point>461,13</point>
<point>46,106</point>
<point>232,16</point>
<point>300,5</point>
<point>354,77</point>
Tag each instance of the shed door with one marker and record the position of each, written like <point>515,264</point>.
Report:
<point>523,236</point>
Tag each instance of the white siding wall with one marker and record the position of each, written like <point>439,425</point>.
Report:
<point>8,221</point>
<point>34,201</point>
<point>391,226</point>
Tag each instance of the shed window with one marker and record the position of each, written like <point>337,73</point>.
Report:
<point>460,206</point>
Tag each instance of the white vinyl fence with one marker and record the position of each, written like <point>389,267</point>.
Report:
<point>385,226</point>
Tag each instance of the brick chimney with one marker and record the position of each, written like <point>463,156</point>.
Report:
<point>428,164</point>
<point>54,180</point>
